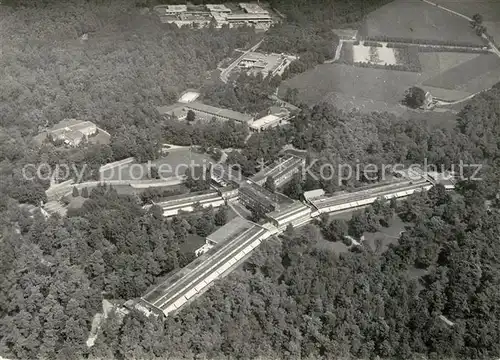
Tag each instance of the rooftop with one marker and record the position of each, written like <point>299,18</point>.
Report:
<point>263,195</point>
<point>265,62</point>
<point>217,8</point>
<point>252,8</point>
<point>189,96</point>
<point>230,114</point>
<point>266,120</point>
<point>308,195</point>
<point>289,210</point>
<point>186,198</point>
<point>176,8</point>
<point>230,230</point>
<point>256,16</point>
<point>71,124</point>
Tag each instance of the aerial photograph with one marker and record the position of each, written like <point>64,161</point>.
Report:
<point>279,179</point>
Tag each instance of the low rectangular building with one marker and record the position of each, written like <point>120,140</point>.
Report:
<point>187,202</point>
<point>249,18</point>
<point>175,9</point>
<point>218,8</point>
<point>252,8</point>
<point>313,194</point>
<point>266,122</point>
<point>295,214</point>
<point>229,231</point>
<point>207,112</point>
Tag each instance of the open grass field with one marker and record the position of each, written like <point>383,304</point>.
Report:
<point>418,20</point>
<point>434,63</point>
<point>350,85</point>
<point>490,9</point>
<point>458,77</point>
<point>177,159</point>
<point>387,236</point>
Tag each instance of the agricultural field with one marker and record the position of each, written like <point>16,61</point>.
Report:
<point>434,63</point>
<point>489,9</point>
<point>418,20</point>
<point>379,89</point>
<point>469,76</point>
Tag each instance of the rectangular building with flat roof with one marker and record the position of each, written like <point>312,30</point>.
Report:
<point>187,202</point>
<point>295,214</point>
<point>175,9</point>
<point>252,8</point>
<point>218,8</point>
<point>207,112</point>
<point>229,231</point>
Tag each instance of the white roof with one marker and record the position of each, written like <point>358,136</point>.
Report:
<point>268,119</point>
<point>218,7</point>
<point>189,97</point>
<point>176,8</point>
<point>314,194</point>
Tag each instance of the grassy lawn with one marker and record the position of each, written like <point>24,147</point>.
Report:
<point>434,63</point>
<point>419,20</point>
<point>192,243</point>
<point>177,159</point>
<point>490,9</point>
<point>387,236</point>
<point>348,86</point>
<point>458,77</point>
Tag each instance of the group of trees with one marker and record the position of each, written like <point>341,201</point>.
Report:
<point>477,24</point>
<point>56,271</point>
<point>247,93</point>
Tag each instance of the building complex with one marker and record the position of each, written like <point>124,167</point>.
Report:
<point>71,132</point>
<point>216,14</point>
<point>233,242</point>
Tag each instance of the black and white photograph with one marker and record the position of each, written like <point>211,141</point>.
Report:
<point>268,180</point>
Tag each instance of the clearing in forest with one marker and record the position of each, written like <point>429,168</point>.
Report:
<point>378,87</point>
<point>459,77</point>
<point>418,20</point>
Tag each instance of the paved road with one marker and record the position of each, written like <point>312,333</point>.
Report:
<point>225,73</point>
